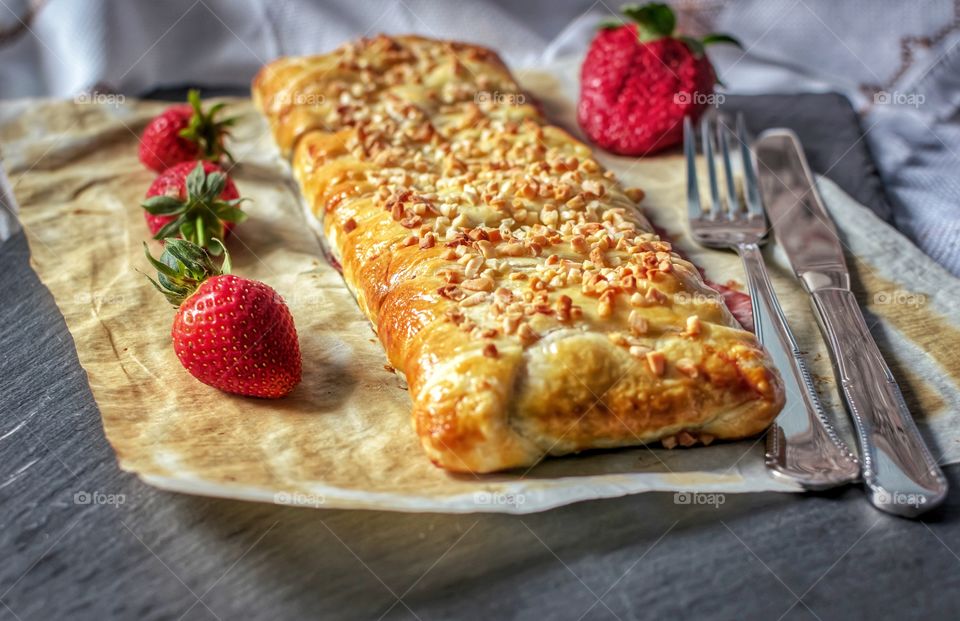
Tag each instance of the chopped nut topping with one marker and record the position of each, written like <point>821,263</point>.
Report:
<point>451,292</point>
<point>490,351</point>
<point>605,305</point>
<point>564,304</point>
<point>411,222</point>
<point>473,267</point>
<point>618,338</point>
<point>503,295</point>
<point>688,367</point>
<point>576,203</point>
<point>596,256</point>
<point>511,323</point>
<point>428,241</point>
<point>638,325</point>
<point>482,283</point>
<point>635,194</point>
<point>513,250</point>
<point>474,299</point>
<point>527,334</point>
<point>506,202</point>
<point>486,248</point>
<point>657,363</point>
<point>653,296</point>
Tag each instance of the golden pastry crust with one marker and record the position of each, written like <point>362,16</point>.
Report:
<point>509,276</point>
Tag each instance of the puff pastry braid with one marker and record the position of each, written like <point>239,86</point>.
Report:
<point>510,278</point>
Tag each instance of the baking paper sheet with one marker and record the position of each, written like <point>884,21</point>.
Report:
<point>344,438</point>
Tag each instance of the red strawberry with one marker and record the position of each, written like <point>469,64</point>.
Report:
<point>638,81</point>
<point>231,333</point>
<point>196,200</point>
<point>184,132</point>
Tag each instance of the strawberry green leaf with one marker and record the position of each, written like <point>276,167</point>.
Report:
<point>184,254</point>
<point>696,47</point>
<point>188,230</point>
<point>231,214</point>
<point>217,107</point>
<point>227,266</point>
<point>170,228</point>
<point>720,38</point>
<point>202,213</point>
<point>654,20</point>
<point>215,183</point>
<point>205,130</point>
<point>193,98</point>
<point>182,267</point>
<point>160,266</point>
<point>196,180</point>
<point>162,205</point>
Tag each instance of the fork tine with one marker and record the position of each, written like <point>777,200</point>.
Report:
<point>706,137</point>
<point>693,188</point>
<point>750,187</point>
<point>733,201</point>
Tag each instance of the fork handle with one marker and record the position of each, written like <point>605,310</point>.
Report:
<point>802,444</point>
<point>898,469</point>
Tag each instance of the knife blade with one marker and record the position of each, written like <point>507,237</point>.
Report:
<point>899,472</point>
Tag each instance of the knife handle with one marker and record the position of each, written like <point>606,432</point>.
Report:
<point>898,469</point>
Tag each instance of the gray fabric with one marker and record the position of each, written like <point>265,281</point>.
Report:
<point>921,169</point>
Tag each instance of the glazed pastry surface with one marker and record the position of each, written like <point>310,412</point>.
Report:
<point>512,280</point>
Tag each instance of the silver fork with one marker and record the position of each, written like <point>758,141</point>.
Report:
<point>802,444</point>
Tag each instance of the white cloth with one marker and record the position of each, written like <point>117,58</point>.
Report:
<point>899,63</point>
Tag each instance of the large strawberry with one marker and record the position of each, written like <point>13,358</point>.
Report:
<point>639,80</point>
<point>185,132</point>
<point>231,333</point>
<point>196,200</point>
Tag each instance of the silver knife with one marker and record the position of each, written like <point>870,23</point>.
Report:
<point>898,470</point>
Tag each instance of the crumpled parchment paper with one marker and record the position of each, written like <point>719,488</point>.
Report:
<point>343,438</point>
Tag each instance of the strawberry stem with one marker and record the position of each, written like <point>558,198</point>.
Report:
<point>200,216</point>
<point>183,266</point>
<point>656,20</point>
<point>205,130</point>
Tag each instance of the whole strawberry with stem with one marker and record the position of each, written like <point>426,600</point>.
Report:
<point>185,132</point>
<point>639,80</point>
<point>232,333</point>
<point>196,200</point>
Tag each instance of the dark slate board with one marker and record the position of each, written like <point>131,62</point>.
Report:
<point>161,555</point>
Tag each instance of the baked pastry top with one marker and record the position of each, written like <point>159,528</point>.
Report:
<point>510,277</point>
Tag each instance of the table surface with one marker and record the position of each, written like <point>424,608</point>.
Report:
<point>159,555</point>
